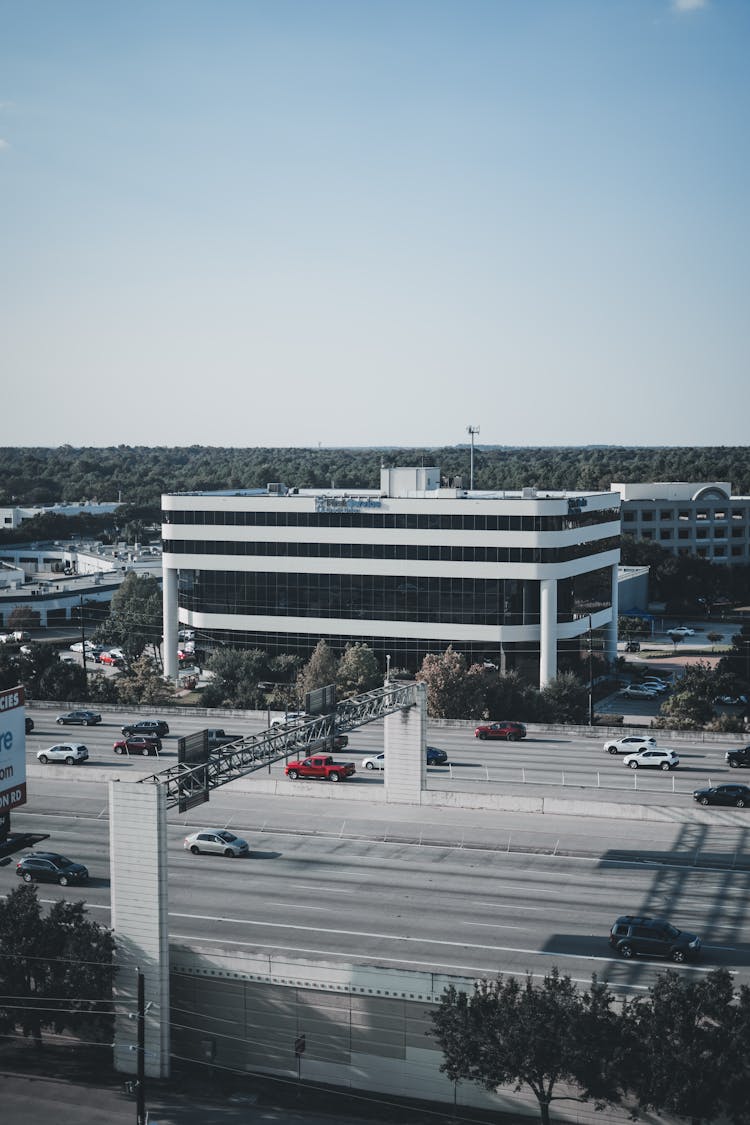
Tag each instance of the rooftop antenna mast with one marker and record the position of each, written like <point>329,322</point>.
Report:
<point>472,431</point>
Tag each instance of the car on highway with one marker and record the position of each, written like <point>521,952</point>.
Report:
<point>629,744</point>
<point>79,718</point>
<point>636,936</point>
<point>506,729</point>
<point>654,757</point>
<point>374,762</point>
<point>29,725</point>
<point>635,691</point>
<point>156,727</point>
<point>67,752</point>
<point>738,758</point>
<point>216,841</point>
<point>681,631</point>
<point>50,867</point>
<point>138,744</point>
<point>737,795</point>
<point>435,757</point>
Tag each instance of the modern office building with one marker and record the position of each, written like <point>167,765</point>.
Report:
<point>702,519</point>
<point>515,578</point>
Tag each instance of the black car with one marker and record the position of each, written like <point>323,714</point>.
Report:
<point>634,936</point>
<point>156,727</point>
<point>29,725</point>
<point>80,718</point>
<point>738,758</point>
<point>737,795</point>
<point>49,867</point>
<point>633,646</point>
<point>436,757</point>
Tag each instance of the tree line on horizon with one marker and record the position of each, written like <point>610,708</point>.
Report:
<point>138,475</point>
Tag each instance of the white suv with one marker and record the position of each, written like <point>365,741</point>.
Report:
<point>629,744</point>
<point>67,752</point>
<point>658,757</point>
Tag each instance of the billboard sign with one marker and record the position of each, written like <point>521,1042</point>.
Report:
<point>12,749</point>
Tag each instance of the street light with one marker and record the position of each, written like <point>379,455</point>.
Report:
<point>387,668</point>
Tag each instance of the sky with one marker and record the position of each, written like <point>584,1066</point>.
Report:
<point>374,222</point>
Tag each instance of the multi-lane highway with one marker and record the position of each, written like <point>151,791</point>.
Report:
<point>449,889</point>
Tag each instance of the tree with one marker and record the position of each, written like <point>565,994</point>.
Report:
<point>691,704</point>
<point>508,1032</point>
<point>357,671</point>
<point>63,681</point>
<point>737,660</point>
<point>675,1044</point>
<point>143,682</point>
<point>56,969</point>
<point>564,700</point>
<point>135,617</point>
<point>319,671</point>
<point>236,675</point>
<point>23,617</point>
<point>451,692</point>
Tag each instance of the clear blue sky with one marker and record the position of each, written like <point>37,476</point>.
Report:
<point>370,222</point>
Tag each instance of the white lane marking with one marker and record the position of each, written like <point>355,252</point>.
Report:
<point>296,906</point>
<point>329,890</point>
<point>493,925</point>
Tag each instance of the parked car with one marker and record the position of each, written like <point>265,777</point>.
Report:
<point>155,727</point>
<point>633,646</point>
<point>737,795</point>
<point>138,744</point>
<point>218,841</point>
<point>29,725</point>
<point>511,731</point>
<point>635,691</point>
<point>634,936</point>
<point>653,682</point>
<point>50,867</point>
<point>629,744</point>
<point>80,718</point>
<point>738,758</point>
<point>681,631</point>
<point>731,700</point>
<point>109,658</point>
<point>90,647</point>
<point>67,752</point>
<point>655,757</point>
<point>185,634</point>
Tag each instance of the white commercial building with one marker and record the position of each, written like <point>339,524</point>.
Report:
<point>701,519</point>
<point>510,577</point>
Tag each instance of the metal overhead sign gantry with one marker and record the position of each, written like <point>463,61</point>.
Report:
<point>189,785</point>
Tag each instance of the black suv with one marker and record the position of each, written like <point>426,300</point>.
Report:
<point>156,727</point>
<point>633,936</point>
<point>50,867</point>
<point>737,758</point>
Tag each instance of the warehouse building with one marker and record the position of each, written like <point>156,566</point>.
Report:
<point>514,578</point>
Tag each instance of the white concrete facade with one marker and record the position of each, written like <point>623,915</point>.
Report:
<point>697,518</point>
<point>422,566</point>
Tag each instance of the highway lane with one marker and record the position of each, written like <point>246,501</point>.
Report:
<point>542,762</point>
<point>461,902</point>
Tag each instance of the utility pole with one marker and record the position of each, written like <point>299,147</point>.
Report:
<point>140,1093</point>
<point>472,431</point>
<point>591,678</point>
<point>83,640</point>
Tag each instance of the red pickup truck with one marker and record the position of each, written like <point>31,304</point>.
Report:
<point>320,765</point>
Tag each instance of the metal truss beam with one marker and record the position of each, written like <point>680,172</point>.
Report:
<point>256,751</point>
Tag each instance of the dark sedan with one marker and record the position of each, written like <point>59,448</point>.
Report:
<point>436,757</point>
<point>737,795</point>
<point>79,718</point>
<point>138,744</point>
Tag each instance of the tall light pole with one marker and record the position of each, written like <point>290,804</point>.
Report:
<point>472,431</point>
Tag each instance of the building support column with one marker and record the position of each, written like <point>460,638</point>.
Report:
<point>169,630</point>
<point>611,630</point>
<point>547,631</point>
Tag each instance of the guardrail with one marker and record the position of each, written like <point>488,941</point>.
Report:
<point>564,780</point>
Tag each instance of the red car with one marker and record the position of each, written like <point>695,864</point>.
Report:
<point>512,732</point>
<point>108,658</point>
<point>137,744</point>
